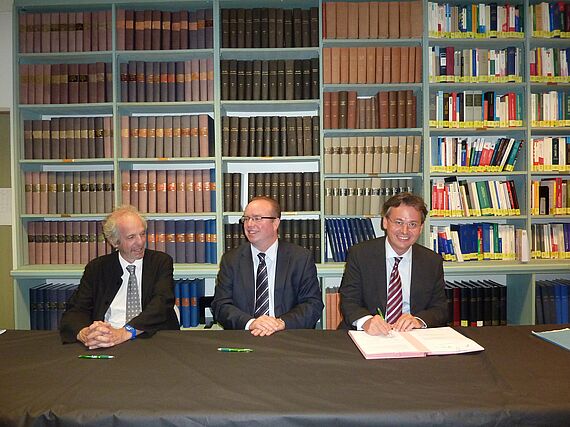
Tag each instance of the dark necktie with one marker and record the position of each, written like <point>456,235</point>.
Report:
<point>261,288</point>
<point>133,299</point>
<point>394,305</point>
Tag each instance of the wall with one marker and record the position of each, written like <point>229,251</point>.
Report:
<point>6,86</point>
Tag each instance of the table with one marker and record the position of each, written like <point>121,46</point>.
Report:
<point>303,377</point>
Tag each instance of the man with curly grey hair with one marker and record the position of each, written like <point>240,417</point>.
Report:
<point>123,294</point>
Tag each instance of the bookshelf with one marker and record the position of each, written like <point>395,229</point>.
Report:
<point>346,63</point>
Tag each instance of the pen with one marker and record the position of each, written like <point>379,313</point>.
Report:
<point>95,356</point>
<point>379,312</point>
<point>234,350</point>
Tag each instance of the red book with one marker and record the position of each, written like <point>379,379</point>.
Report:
<point>151,191</point>
<point>171,191</point>
<point>206,191</point>
<point>190,191</point>
<point>76,242</point>
<point>161,205</point>
<point>135,189</point>
<point>120,29</point>
<point>143,191</point>
<point>126,187</point>
<point>180,191</point>
<point>198,191</point>
<point>203,135</point>
<point>68,242</point>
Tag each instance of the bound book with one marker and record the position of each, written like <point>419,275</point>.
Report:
<point>415,343</point>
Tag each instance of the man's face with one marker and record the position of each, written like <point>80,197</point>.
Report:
<point>403,226</point>
<point>132,237</point>
<point>262,233</point>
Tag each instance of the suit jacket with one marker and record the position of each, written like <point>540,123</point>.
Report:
<point>100,283</point>
<point>297,297</point>
<point>363,286</point>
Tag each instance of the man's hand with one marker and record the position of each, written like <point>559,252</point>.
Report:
<point>266,325</point>
<point>102,334</point>
<point>407,322</point>
<point>377,326</point>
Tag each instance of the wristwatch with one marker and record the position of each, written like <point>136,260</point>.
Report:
<point>132,330</point>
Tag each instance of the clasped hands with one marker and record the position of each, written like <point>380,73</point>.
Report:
<point>266,325</point>
<point>378,326</point>
<point>102,334</point>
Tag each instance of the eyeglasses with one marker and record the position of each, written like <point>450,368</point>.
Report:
<point>412,225</point>
<point>255,219</point>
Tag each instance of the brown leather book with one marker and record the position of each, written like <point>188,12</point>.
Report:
<point>383,18</point>
<point>166,29</point>
<point>327,64</point>
<point>373,19</point>
<point>161,191</point>
<point>353,20</point>
<point>180,191</point>
<point>418,66</point>
<point>386,64</point>
<point>151,191</point>
<point>334,110</point>
<point>383,110</point>
<point>395,64</point>
<point>361,115</point>
<point>361,58</point>
<point>342,109</point>
<point>370,65</point>
<point>405,19</point>
<point>404,64</point>
<point>326,110</point>
<point>352,112</point>
<point>352,65</point>
<point>411,78</point>
<point>416,19</point>
<point>335,66</point>
<point>394,19</point>
<point>401,120</point>
<point>344,64</point>
<point>409,121</point>
<point>342,20</point>
<point>329,27</point>
<point>363,26</point>
<point>393,109</point>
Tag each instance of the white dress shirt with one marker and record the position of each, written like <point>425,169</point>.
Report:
<point>271,263</point>
<point>117,311</point>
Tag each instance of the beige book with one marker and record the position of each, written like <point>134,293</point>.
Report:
<point>335,156</point>
<point>377,157</point>
<point>328,196</point>
<point>344,153</point>
<point>342,196</point>
<point>375,185</point>
<point>401,168</point>
<point>409,153</point>
<point>327,150</point>
<point>368,154</point>
<point>352,154</point>
<point>360,154</point>
<point>385,154</point>
<point>393,146</point>
<point>335,185</point>
<point>366,196</point>
<point>351,197</point>
<point>359,199</point>
<point>416,153</point>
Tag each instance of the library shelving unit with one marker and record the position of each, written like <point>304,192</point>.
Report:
<point>120,101</point>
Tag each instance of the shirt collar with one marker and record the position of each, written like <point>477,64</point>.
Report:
<point>391,253</point>
<point>124,263</point>
<point>270,253</point>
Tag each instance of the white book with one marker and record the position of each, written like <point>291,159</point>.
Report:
<point>415,343</point>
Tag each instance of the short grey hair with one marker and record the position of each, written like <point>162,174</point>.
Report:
<point>110,222</point>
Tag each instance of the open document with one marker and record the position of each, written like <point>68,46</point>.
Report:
<point>416,343</point>
<point>559,337</point>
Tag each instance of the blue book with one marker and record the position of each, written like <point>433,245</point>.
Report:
<point>558,301</point>
<point>178,297</point>
<point>564,303</point>
<point>185,303</point>
<point>369,229</point>
<point>211,242</point>
<point>342,239</point>
<point>180,242</point>
<point>194,311</point>
<point>200,241</point>
<point>190,232</point>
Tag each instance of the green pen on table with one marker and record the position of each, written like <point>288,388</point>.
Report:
<point>379,312</point>
<point>95,356</point>
<point>234,350</point>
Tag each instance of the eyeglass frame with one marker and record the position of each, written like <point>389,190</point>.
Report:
<point>412,225</point>
<point>256,219</point>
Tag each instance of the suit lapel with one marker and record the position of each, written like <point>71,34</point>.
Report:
<point>148,274</point>
<point>247,278</point>
<point>113,280</point>
<point>381,277</point>
<point>281,268</point>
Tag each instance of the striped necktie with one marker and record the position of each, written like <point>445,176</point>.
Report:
<point>261,288</point>
<point>394,305</point>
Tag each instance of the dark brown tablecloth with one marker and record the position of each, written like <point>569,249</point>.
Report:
<point>291,378</point>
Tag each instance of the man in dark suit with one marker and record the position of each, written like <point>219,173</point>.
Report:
<point>266,285</point>
<point>123,294</point>
<point>418,299</point>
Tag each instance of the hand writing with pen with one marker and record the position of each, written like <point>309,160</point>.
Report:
<point>377,325</point>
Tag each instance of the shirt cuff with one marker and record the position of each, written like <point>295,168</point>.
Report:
<point>249,322</point>
<point>359,322</point>
<point>424,324</point>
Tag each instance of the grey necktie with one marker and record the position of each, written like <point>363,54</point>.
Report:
<point>133,300</point>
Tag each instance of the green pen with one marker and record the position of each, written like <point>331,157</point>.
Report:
<point>95,356</point>
<point>234,350</point>
<point>379,312</point>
